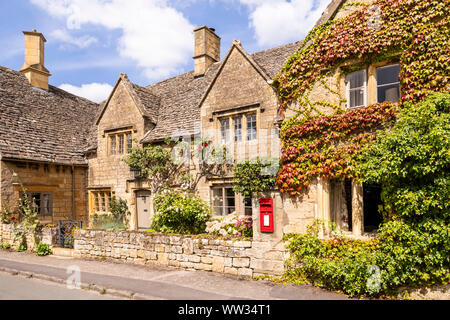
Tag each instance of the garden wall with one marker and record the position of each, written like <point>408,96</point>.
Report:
<point>46,235</point>
<point>237,257</point>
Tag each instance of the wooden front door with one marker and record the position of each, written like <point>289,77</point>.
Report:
<point>144,209</point>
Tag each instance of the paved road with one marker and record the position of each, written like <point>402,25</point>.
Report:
<point>19,288</point>
<point>161,283</point>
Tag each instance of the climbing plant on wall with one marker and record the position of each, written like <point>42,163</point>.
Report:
<point>320,145</point>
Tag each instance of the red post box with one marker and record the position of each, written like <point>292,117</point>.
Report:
<point>266,214</point>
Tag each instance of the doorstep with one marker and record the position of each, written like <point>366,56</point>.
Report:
<point>63,252</point>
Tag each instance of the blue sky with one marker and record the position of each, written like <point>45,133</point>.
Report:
<point>90,42</point>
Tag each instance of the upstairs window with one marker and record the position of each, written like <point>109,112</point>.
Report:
<point>356,87</point>
<point>237,129</point>
<point>225,131</point>
<point>251,127</point>
<point>388,83</point>
<point>120,143</point>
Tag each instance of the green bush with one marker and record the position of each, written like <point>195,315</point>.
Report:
<point>180,212</point>
<point>5,246</point>
<point>411,162</point>
<point>43,249</point>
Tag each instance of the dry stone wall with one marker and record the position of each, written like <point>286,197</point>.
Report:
<point>236,257</point>
<point>47,235</point>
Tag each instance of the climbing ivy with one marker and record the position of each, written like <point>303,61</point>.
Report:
<point>320,145</point>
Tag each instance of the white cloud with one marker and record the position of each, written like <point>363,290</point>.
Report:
<point>96,92</point>
<point>156,36</point>
<point>81,42</point>
<point>279,21</point>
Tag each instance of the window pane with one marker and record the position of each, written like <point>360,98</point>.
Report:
<point>96,202</point>
<point>388,75</point>
<point>112,146</point>
<point>36,202</point>
<point>121,143</point>
<point>356,98</point>
<point>390,93</point>
<point>237,129</point>
<point>217,200</point>
<point>45,204</point>
<point>229,201</point>
<point>225,131</point>
<point>103,202</point>
<point>129,142</point>
<point>388,88</point>
<point>248,206</point>
<point>251,127</point>
<point>356,79</point>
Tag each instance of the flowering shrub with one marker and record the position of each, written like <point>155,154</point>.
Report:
<point>231,225</point>
<point>180,212</point>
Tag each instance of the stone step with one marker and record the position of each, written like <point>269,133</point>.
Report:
<point>63,252</point>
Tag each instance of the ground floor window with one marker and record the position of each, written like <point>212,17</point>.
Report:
<point>341,211</point>
<point>223,200</point>
<point>99,200</point>
<point>42,201</point>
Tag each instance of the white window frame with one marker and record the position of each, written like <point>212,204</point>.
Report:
<point>347,89</point>
<point>224,197</point>
<point>248,133</point>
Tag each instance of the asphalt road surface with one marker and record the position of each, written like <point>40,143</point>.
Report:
<point>19,288</point>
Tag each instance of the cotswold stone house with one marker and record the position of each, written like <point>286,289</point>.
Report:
<point>43,133</point>
<point>73,164</point>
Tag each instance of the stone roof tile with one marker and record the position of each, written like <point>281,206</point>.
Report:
<point>39,125</point>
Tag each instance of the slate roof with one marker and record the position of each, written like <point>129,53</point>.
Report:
<point>181,95</point>
<point>51,126</point>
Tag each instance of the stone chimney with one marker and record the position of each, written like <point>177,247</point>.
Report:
<point>207,49</point>
<point>34,68</point>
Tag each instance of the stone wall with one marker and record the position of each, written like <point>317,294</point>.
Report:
<point>236,257</point>
<point>46,235</point>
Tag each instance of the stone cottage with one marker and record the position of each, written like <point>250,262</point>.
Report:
<point>229,101</point>
<point>43,132</point>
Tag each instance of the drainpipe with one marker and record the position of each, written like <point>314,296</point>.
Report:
<point>73,193</point>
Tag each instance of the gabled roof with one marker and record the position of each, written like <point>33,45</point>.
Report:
<point>181,95</point>
<point>146,102</point>
<point>38,125</point>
